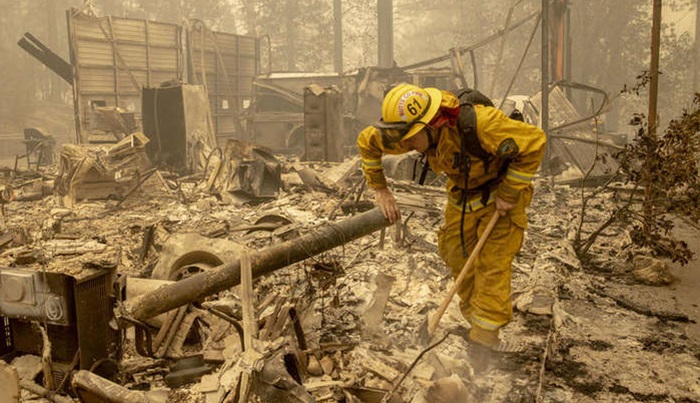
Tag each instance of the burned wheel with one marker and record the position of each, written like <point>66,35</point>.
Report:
<point>193,263</point>
<point>185,255</point>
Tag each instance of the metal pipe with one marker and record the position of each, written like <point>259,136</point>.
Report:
<point>544,109</point>
<point>520,64</point>
<point>266,261</point>
<point>472,48</point>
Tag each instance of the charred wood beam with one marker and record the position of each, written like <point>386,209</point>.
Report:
<point>266,261</point>
<point>54,62</point>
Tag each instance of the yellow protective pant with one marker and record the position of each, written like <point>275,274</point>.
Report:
<point>485,291</point>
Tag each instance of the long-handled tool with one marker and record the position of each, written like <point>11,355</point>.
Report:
<point>435,321</point>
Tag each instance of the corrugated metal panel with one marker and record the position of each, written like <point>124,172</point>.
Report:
<point>159,77</point>
<point>163,59</point>
<point>134,56</point>
<point>85,28</point>
<point>124,84</point>
<point>227,64</point>
<point>97,81</point>
<point>94,53</point>
<point>162,34</point>
<point>114,57</point>
<point>128,30</point>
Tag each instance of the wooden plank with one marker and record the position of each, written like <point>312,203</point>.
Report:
<point>250,328</point>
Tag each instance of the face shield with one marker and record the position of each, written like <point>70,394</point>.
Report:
<point>392,132</point>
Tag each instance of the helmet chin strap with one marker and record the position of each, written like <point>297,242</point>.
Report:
<point>432,141</point>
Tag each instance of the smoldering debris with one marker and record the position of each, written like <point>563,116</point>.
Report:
<point>340,325</point>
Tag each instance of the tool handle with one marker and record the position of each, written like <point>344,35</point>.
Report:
<point>467,266</point>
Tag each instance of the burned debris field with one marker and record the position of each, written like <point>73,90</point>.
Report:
<point>342,324</point>
<point>199,201</point>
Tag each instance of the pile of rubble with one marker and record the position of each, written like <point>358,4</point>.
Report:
<point>341,325</point>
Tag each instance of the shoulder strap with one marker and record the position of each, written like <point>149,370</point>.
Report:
<point>467,127</point>
<point>474,97</point>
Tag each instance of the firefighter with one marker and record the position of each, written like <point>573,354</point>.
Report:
<point>489,166</point>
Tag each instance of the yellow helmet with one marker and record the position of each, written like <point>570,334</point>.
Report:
<point>406,109</point>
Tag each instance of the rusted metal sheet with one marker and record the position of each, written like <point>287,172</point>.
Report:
<point>226,64</point>
<point>113,58</point>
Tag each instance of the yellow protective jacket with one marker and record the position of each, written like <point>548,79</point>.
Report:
<point>516,143</point>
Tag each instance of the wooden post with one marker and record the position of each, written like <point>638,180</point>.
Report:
<point>250,328</point>
<point>653,95</point>
<point>696,70</point>
<point>544,112</point>
<point>654,68</point>
<point>385,36</point>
